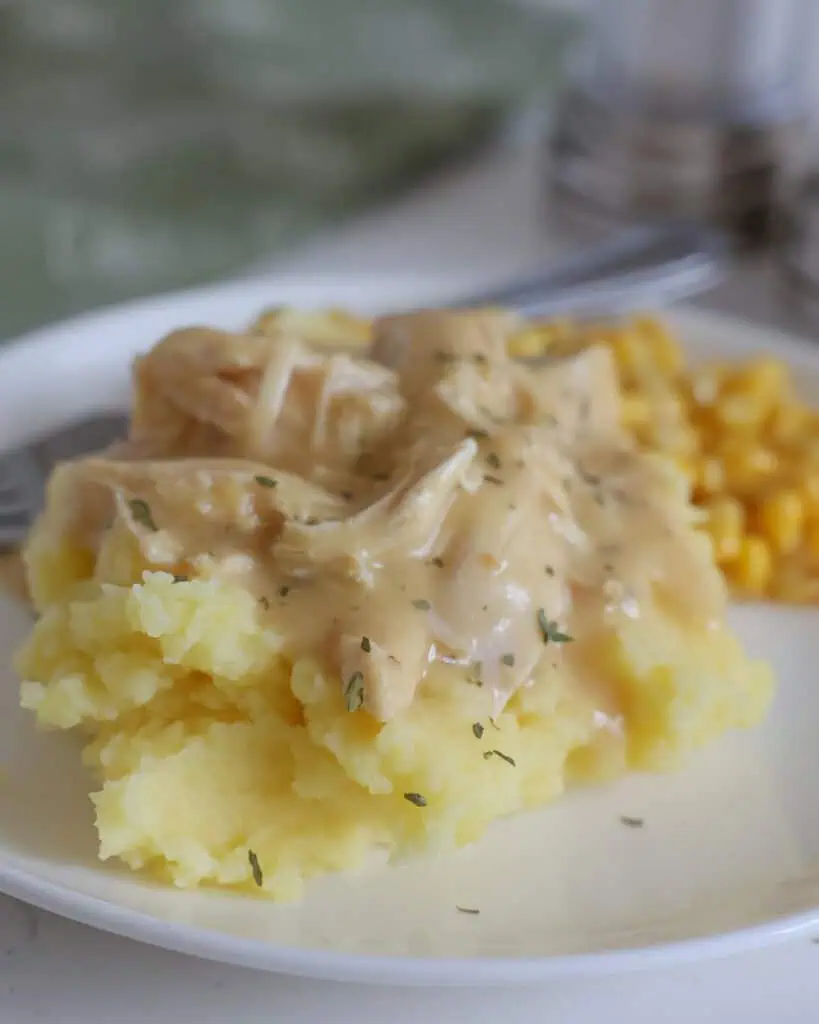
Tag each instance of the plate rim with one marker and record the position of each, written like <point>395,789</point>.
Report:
<point>260,954</point>
<point>327,965</point>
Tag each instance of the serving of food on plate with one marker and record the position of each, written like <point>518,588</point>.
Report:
<point>362,586</point>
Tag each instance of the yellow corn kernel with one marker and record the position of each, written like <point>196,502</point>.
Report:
<point>752,568</point>
<point>782,519</point>
<point>663,346</point>
<point>666,404</point>
<point>789,423</point>
<point>681,440</point>
<point>740,413</point>
<point>764,378</point>
<point>706,385</point>
<point>725,526</point>
<point>630,354</point>
<point>634,410</point>
<point>674,438</point>
<point>528,343</point>
<point>709,475</point>
<point>812,539</point>
<point>795,583</point>
<point>559,329</point>
<point>748,467</point>
<point>807,480</point>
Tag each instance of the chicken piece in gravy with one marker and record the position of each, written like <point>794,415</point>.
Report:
<point>432,502</point>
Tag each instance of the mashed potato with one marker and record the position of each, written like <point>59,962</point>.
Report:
<point>319,606</point>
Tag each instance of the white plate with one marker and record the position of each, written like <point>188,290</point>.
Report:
<point>728,858</point>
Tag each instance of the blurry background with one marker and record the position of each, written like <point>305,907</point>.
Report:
<point>148,145</point>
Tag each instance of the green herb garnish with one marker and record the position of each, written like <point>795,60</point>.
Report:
<point>499,753</point>
<point>256,868</point>
<point>284,590</point>
<point>550,631</point>
<point>180,578</point>
<point>416,798</point>
<point>421,604</point>
<point>631,822</point>
<point>477,730</point>
<point>467,910</point>
<point>493,459</point>
<point>496,480</point>
<point>266,481</point>
<point>508,659</point>
<point>437,562</point>
<point>550,570</point>
<point>141,511</point>
<point>354,691</point>
<point>366,646</point>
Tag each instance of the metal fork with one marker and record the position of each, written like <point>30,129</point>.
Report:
<point>23,473</point>
<point>645,265</point>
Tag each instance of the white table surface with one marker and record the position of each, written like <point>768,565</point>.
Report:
<point>480,223</point>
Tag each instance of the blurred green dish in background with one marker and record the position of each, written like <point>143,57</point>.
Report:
<point>147,145</point>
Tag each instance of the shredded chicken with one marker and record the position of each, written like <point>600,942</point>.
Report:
<point>433,501</point>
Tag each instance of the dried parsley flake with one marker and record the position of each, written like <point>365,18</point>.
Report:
<point>141,511</point>
<point>550,631</point>
<point>499,753</point>
<point>256,868</point>
<point>354,691</point>
<point>416,798</point>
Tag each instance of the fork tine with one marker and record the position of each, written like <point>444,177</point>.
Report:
<point>15,519</point>
<point>23,473</point>
<point>13,531</point>
<point>14,507</point>
<point>22,488</point>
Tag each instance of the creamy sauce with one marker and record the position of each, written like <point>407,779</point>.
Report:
<point>435,502</point>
